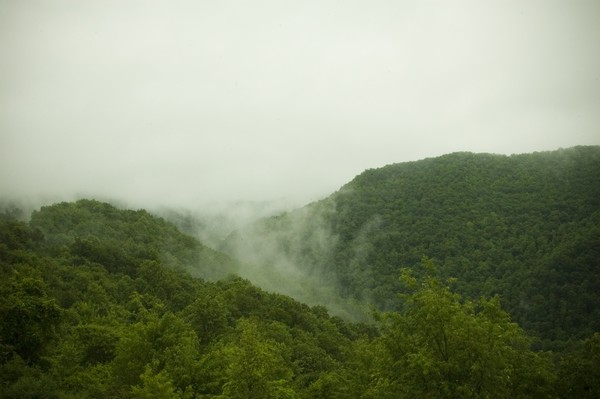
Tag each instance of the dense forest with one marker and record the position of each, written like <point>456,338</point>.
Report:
<point>524,227</point>
<point>481,271</point>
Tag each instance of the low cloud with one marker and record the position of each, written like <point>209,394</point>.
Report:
<point>190,103</point>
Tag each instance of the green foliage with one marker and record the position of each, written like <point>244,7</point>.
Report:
<point>524,227</point>
<point>154,386</point>
<point>119,240</point>
<point>579,372</point>
<point>18,380</point>
<point>442,347</point>
<point>29,317</point>
<point>95,307</point>
<point>257,366</point>
<point>97,302</point>
<point>208,314</point>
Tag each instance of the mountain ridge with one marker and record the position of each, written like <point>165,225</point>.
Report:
<point>97,301</point>
<point>496,222</point>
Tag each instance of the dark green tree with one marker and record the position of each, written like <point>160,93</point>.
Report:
<point>29,317</point>
<point>442,347</point>
<point>257,368</point>
<point>579,372</point>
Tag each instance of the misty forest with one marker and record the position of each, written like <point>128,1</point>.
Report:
<point>461,276</point>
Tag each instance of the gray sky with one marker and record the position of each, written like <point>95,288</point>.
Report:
<point>187,102</point>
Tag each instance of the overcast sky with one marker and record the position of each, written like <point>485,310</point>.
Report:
<point>188,102</point>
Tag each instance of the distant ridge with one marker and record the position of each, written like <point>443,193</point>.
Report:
<point>524,226</point>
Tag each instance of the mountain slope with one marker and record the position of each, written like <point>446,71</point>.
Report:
<point>90,307</point>
<point>118,239</point>
<point>95,302</point>
<point>525,227</point>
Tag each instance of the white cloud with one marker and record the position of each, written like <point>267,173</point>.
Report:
<point>187,101</point>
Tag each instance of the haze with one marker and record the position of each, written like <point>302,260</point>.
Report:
<point>196,102</point>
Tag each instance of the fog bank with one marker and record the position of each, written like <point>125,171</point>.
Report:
<point>191,103</point>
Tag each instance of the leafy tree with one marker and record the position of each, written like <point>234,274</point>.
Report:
<point>579,371</point>
<point>257,368</point>
<point>29,317</point>
<point>155,386</point>
<point>164,343</point>
<point>440,347</point>
<point>207,314</point>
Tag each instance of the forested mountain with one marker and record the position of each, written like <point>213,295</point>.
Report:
<point>524,227</point>
<point>118,238</point>
<point>97,302</point>
<point>101,302</point>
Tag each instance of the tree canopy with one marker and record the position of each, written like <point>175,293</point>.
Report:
<point>525,227</point>
<point>468,260</point>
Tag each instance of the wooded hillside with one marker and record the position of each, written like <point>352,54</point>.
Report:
<point>468,260</point>
<point>524,227</point>
<point>94,305</point>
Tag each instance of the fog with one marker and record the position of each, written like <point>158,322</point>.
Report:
<point>197,103</point>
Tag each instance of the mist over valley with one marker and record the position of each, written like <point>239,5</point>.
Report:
<point>476,241</point>
<point>299,200</point>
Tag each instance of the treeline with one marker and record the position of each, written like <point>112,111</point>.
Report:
<point>96,302</point>
<point>524,227</point>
